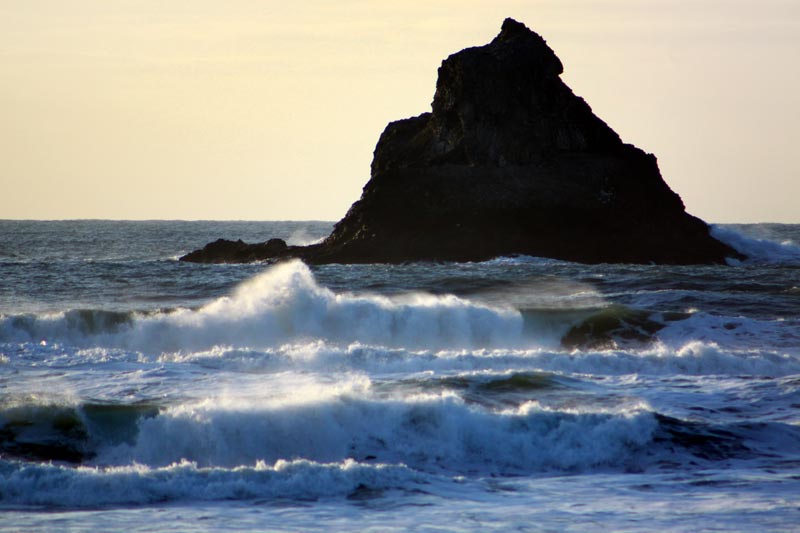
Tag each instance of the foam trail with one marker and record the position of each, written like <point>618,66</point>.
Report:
<point>687,358</point>
<point>758,250</point>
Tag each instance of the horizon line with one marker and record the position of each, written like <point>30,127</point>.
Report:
<point>95,219</point>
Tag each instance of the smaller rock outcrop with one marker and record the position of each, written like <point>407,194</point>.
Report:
<point>225,251</point>
<point>509,161</point>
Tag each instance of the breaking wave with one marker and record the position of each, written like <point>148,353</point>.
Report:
<point>758,250</point>
<point>346,443</point>
<point>61,486</point>
<point>283,304</point>
<point>428,433</point>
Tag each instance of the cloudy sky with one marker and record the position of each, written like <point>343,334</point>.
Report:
<point>266,110</point>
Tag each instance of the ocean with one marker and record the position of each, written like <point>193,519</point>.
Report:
<point>140,393</point>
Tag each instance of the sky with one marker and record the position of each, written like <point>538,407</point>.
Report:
<point>267,110</point>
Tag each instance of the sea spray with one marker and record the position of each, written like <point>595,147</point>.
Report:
<point>758,249</point>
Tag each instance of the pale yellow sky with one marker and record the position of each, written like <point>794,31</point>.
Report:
<point>263,110</point>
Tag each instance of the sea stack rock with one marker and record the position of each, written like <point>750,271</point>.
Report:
<point>510,161</point>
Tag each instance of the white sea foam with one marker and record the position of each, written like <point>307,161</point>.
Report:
<point>758,250</point>
<point>688,357</point>
<point>281,305</point>
<point>428,432</point>
<point>59,486</point>
<point>737,333</point>
<point>523,260</point>
<point>692,358</point>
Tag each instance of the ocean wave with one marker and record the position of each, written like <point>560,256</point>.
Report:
<point>49,428</point>
<point>687,357</point>
<point>341,443</point>
<point>512,260</point>
<point>736,333</point>
<point>60,486</point>
<point>432,431</point>
<point>758,250</point>
<point>658,358</point>
<point>283,304</point>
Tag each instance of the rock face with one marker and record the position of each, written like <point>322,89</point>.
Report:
<point>509,161</point>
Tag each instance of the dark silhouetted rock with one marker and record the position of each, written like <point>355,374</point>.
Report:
<point>224,251</point>
<point>509,161</point>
